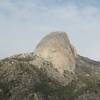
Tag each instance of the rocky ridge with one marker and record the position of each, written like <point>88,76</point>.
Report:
<point>54,71</point>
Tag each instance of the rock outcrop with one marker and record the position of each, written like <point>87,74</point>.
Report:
<point>57,49</point>
<point>54,71</point>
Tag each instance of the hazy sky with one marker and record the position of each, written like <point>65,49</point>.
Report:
<point>24,22</point>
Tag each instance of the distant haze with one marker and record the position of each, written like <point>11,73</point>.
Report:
<point>24,22</point>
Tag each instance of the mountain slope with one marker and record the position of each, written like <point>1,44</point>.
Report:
<point>32,77</point>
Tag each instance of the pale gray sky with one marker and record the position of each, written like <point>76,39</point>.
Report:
<point>24,22</point>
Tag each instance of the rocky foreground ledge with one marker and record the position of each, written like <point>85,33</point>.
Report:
<point>54,71</point>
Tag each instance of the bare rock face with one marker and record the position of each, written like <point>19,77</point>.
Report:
<point>57,49</point>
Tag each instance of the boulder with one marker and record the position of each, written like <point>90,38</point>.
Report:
<point>57,49</point>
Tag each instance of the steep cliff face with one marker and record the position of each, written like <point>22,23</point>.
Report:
<point>53,72</point>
